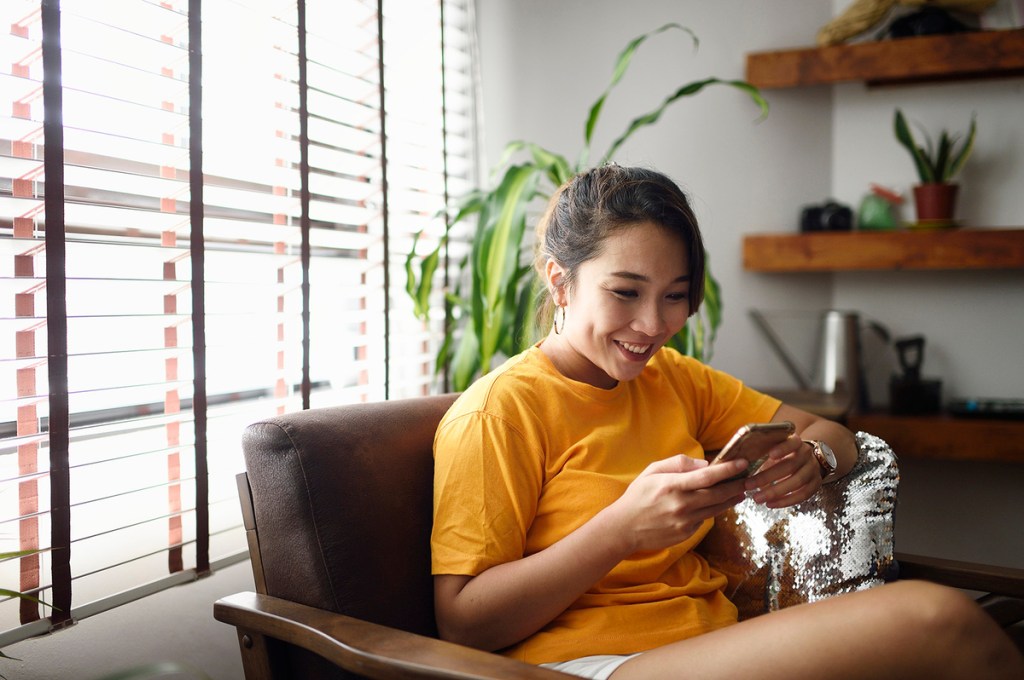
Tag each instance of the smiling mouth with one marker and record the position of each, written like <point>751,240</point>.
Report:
<point>638,350</point>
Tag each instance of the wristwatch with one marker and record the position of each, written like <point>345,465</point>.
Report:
<point>826,458</point>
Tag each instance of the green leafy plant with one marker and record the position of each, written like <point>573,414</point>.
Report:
<point>7,592</point>
<point>935,163</point>
<point>495,316</point>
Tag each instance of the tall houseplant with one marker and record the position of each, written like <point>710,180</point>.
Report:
<point>495,316</point>
<point>937,165</point>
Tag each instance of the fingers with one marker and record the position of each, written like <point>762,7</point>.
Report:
<point>680,463</point>
<point>787,480</point>
<point>673,497</point>
<point>694,472</point>
<point>715,475</point>
<point>791,444</point>
<point>786,493</point>
<point>698,517</point>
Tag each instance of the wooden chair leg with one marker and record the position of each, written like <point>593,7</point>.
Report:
<point>255,656</point>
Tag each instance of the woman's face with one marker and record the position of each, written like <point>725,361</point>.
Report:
<point>625,304</point>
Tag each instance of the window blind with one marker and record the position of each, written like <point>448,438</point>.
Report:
<point>201,226</point>
<point>425,168</point>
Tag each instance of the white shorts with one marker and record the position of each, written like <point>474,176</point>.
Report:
<point>594,667</point>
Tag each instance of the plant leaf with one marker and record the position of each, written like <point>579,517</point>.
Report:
<point>942,157</point>
<point>5,592</point>
<point>410,275</point>
<point>928,155</point>
<point>713,310</point>
<point>678,341</point>
<point>464,362</point>
<point>519,299</point>
<point>621,66</point>
<point>965,151</point>
<point>421,300</point>
<point>498,257</point>
<point>687,90</point>
<point>470,204</point>
<point>420,292</point>
<point>18,553</point>
<point>905,137</point>
<point>555,166</point>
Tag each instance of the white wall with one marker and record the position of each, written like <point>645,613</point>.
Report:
<point>544,63</point>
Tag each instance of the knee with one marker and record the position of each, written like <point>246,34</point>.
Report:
<point>939,612</point>
<point>939,609</point>
<point>951,620</point>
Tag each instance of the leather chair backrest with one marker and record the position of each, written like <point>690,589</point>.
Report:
<point>342,504</point>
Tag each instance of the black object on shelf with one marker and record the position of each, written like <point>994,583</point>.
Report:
<point>829,216</point>
<point>926,21</point>
<point>909,393</point>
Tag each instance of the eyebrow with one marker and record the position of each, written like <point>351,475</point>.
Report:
<point>640,277</point>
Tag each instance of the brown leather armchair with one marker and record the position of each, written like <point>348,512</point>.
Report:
<point>337,509</point>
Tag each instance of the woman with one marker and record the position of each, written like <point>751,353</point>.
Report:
<point>571,485</point>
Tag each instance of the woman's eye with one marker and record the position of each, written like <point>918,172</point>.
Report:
<point>625,293</point>
<point>678,297</point>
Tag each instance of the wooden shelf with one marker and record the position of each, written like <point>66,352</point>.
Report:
<point>885,250</point>
<point>946,437</point>
<point>981,54</point>
<point>965,56</point>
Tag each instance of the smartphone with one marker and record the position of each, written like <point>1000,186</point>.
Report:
<point>752,442</point>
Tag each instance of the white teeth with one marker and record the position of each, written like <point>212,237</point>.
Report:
<point>635,349</point>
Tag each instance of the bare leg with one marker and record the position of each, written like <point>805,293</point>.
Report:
<point>909,629</point>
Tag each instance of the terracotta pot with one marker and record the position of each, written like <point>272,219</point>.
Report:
<point>935,201</point>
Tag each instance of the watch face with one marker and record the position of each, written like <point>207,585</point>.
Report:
<point>829,454</point>
<point>825,456</point>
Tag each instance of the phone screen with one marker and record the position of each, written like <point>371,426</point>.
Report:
<point>752,442</point>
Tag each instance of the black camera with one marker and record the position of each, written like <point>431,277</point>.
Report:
<point>831,216</point>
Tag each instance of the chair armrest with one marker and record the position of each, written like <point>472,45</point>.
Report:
<point>366,648</point>
<point>966,575</point>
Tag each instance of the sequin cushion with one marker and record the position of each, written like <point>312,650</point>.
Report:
<point>837,542</point>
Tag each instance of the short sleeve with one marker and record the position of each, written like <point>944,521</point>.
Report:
<point>487,480</point>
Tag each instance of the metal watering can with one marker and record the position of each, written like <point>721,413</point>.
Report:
<point>836,367</point>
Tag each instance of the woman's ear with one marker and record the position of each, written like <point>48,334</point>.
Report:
<point>554,276</point>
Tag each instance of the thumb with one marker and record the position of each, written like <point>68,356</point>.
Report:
<point>678,463</point>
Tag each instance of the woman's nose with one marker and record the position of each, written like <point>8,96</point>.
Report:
<point>650,320</point>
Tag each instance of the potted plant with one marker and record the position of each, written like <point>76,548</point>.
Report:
<point>495,316</point>
<point>937,165</point>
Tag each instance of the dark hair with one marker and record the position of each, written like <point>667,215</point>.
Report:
<point>594,204</point>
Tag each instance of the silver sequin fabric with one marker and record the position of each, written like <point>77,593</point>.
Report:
<point>837,542</point>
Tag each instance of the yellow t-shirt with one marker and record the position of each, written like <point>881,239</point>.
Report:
<point>525,456</point>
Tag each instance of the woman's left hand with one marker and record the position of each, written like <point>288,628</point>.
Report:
<point>791,475</point>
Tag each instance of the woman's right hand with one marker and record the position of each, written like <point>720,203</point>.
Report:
<point>669,501</point>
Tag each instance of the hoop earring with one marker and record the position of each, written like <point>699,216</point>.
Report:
<point>559,326</point>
